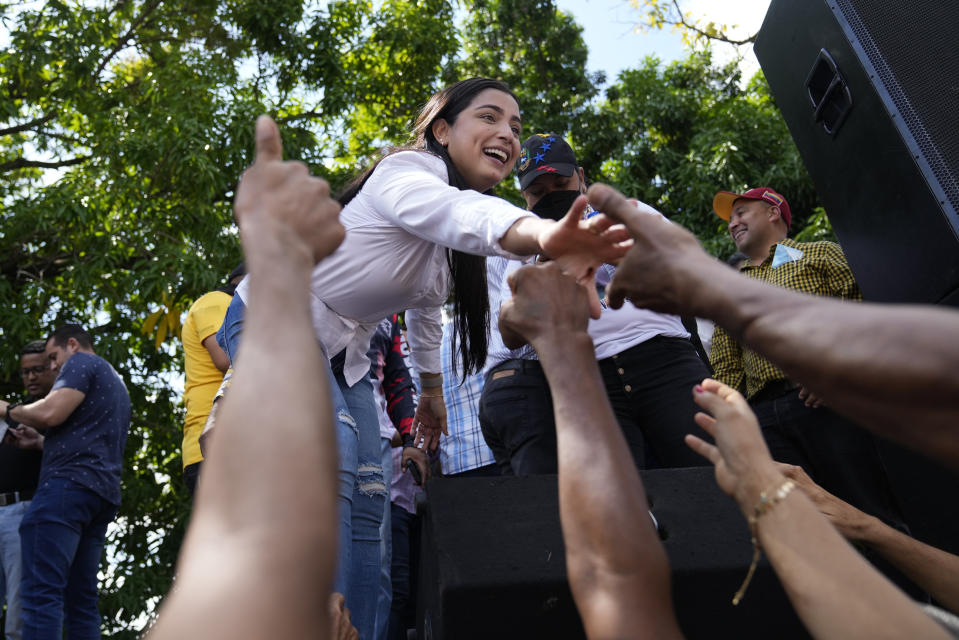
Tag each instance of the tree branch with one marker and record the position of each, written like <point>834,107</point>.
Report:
<point>306,115</point>
<point>720,36</point>
<point>40,267</point>
<point>29,125</point>
<point>122,41</point>
<point>58,136</point>
<point>115,9</point>
<point>22,163</point>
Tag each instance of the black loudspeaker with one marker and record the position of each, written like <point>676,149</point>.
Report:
<point>493,562</point>
<point>869,90</point>
<point>926,492</point>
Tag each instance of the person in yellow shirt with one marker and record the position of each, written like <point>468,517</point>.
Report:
<point>204,364</point>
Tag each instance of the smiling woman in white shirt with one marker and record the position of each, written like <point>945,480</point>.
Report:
<point>419,225</point>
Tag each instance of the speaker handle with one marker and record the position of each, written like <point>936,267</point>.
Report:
<point>828,92</point>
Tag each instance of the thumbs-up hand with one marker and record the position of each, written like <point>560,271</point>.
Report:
<point>281,208</point>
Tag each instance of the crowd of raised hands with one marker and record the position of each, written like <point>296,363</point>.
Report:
<point>254,565</point>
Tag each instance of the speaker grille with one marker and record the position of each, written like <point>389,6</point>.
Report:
<point>907,70</point>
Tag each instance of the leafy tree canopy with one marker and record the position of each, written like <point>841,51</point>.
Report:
<point>126,125</point>
<point>672,136</point>
<point>659,14</point>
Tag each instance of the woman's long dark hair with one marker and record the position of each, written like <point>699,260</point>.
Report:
<point>470,291</point>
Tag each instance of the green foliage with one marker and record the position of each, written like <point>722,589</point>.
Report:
<point>124,127</point>
<point>817,228</point>
<point>392,74</point>
<point>540,53</point>
<point>674,135</point>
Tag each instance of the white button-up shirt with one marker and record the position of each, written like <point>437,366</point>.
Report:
<point>613,332</point>
<point>394,258</point>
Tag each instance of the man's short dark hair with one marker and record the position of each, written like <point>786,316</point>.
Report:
<point>64,332</point>
<point>34,346</point>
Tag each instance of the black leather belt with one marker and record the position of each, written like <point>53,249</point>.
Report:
<point>14,497</point>
<point>517,364</point>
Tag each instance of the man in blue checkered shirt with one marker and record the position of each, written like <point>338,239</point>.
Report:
<point>464,452</point>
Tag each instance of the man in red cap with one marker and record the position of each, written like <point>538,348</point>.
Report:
<point>758,219</point>
<point>798,430</point>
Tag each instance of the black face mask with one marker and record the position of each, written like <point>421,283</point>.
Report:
<point>555,204</point>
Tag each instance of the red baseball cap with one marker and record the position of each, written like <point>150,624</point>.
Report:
<point>723,202</point>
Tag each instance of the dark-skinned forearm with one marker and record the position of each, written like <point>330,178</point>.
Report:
<point>591,446</point>
<point>834,590</point>
<point>601,497</point>
<point>935,570</point>
<point>889,368</point>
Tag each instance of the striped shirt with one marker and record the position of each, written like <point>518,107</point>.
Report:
<point>497,271</point>
<point>464,449</point>
<point>817,268</point>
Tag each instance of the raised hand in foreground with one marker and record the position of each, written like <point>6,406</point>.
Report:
<point>836,593</point>
<point>828,345</point>
<point>263,524</point>
<point>618,570</point>
<point>934,570</point>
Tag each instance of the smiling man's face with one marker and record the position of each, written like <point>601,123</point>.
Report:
<point>752,225</point>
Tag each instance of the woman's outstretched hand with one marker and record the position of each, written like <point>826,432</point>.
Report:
<point>579,246</point>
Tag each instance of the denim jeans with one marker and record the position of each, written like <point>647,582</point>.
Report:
<point>650,388</point>
<point>361,490</point>
<point>405,537</point>
<point>367,495</point>
<point>228,335</point>
<point>386,549</point>
<point>62,535</point>
<point>10,517</point>
<point>516,417</point>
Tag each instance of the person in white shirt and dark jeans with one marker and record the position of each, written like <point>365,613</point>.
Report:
<point>647,360</point>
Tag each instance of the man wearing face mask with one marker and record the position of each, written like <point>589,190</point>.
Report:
<point>647,360</point>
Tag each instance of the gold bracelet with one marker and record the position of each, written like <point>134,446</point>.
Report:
<point>763,506</point>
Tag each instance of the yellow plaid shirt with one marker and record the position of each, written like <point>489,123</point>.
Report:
<point>822,271</point>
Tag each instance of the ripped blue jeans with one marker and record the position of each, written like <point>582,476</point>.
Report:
<point>361,489</point>
<point>367,491</point>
